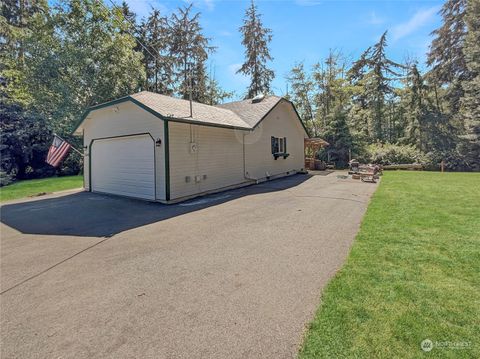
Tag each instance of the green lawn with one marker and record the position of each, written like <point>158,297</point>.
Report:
<point>34,187</point>
<point>413,274</point>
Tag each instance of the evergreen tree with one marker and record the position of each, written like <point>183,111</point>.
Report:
<point>374,73</point>
<point>302,95</point>
<point>446,55</point>
<point>147,58</point>
<point>359,114</point>
<point>382,71</point>
<point>425,125</point>
<point>332,90</point>
<point>416,111</point>
<point>470,102</point>
<point>158,40</point>
<point>337,134</point>
<point>215,95</point>
<point>129,16</point>
<point>256,39</point>
<point>189,50</point>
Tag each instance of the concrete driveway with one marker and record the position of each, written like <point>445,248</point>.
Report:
<point>233,275</point>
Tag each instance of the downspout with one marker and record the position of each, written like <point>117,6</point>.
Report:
<point>245,165</point>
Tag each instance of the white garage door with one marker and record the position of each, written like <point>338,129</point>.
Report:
<point>124,166</point>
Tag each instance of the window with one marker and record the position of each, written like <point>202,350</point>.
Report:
<point>279,147</point>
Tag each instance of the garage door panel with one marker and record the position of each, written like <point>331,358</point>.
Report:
<point>124,166</point>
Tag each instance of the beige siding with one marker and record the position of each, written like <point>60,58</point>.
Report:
<point>122,120</point>
<point>219,157</point>
<point>281,122</point>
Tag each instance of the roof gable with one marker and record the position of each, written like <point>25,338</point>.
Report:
<point>252,112</point>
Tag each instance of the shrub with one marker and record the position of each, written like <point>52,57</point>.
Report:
<point>72,165</point>
<point>5,178</point>
<point>25,139</point>
<point>24,142</point>
<point>392,154</point>
<point>453,161</point>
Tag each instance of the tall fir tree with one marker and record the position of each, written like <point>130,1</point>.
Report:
<point>189,50</point>
<point>256,39</point>
<point>129,17</point>
<point>374,73</point>
<point>470,102</point>
<point>359,114</point>
<point>446,55</point>
<point>302,95</point>
<point>425,126</point>
<point>383,71</point>
<point>330,83</point>
<point>160,65</point>
<point>415,108</point>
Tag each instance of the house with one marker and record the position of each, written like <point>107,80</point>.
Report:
<point>165,149</point>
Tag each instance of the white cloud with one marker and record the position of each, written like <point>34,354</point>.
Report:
<point>419,19</point>
<point>308,2</point>
<point>374,19</point>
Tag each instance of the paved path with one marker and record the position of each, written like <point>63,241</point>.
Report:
<point>233,275</point>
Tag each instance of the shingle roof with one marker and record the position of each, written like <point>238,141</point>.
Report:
<point>252,112</point>
<point>180,109</point>
<point>240,114</point>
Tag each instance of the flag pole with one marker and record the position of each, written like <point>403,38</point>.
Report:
<point>73,148</point>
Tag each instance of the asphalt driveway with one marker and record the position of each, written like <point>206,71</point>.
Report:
<point>232,275</point>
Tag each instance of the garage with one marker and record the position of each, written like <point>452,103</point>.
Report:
<point>161,148</point>
<point>124,166</point>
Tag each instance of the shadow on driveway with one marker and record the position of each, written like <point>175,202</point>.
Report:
<point>96,215</point>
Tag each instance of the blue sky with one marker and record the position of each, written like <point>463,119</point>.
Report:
<point>305,30</point>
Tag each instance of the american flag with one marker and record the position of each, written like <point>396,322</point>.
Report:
<point>57,151</point>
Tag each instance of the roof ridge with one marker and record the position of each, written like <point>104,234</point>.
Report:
<point>247,99</point>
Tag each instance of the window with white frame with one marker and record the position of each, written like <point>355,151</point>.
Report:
<point>279,147</point>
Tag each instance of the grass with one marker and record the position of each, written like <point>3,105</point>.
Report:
<point>413,273</point>
<point>34,187</point>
